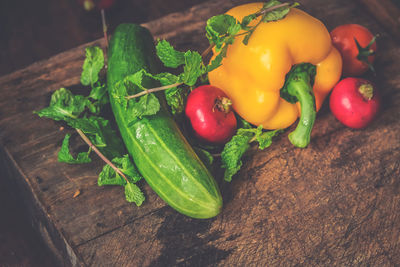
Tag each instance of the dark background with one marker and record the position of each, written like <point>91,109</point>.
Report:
<point>35,30</point>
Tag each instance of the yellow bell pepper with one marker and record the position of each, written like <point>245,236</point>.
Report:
<point>253,75</point>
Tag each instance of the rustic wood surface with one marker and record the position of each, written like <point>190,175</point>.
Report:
<point>386,13</point>
<point>335,203</point>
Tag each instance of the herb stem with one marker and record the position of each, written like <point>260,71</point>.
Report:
<point>207,51</point>
<point>152,90</point>
<point>264,11</point>
<point>254,138</point>
<point>94,148</point>
<point>103,22</point>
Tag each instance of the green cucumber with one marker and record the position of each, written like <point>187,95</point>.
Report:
<point>160,151</point>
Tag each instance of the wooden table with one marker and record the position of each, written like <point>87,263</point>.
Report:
<point>336,202</point>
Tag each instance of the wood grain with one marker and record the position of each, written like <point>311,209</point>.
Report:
<point>335,203</point>
<point>386,13</point>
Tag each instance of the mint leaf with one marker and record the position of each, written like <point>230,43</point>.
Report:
<point>168,55</point>
<point>219,28</point>
<point>109,176</point>
<point>246,38</point>
<point>100,96</point>
<point>166,78</point>
<point>125,164</point>
<point>119,92</point>
<point>106,135</point>
<point>264,139</point>
<point>87,125</point>
<point>146,106</point>
<point>217,61</point>
<point>98,92</point>
<point>240,143</point>
<point>175,96</point>
<point>64,155</point>
<point>233,152</point>
<point>134,194</point>
<point>64,105</point>
<point>204,156</point>
<point>276,14</point>
<point>92,65</point>
<point>193,68</point>
<point>135,80</point>
<point>246,21</point>
<point>101,134</point>
<point>266,16</point>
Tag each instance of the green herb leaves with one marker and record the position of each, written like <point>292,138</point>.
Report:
<point>92,65</point>
<point>109,176</point>
<point>134,194</point>
<point>233,152</point>
<point>221,29</point>
<point>170,57</point>
<point>64,105</point>
<point>145,105</point>
<point>193,68</point>
<point>132,93</point>
<point>275,10</point>
<point>174,95</point>
<point>65,155</point>
<point>81,113</point>
<point>192,62</point>
<point>239,144</point>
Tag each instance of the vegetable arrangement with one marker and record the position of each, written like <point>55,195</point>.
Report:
<point>272,63</point>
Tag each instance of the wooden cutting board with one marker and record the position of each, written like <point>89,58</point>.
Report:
<point>336,202</point>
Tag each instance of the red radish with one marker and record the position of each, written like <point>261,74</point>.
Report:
<point>354,102</point>
<point>209,112</point>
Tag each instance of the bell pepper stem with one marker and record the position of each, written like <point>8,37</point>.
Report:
<point>298,85</point>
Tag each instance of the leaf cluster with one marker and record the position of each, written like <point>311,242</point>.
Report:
<point>82,112</point>
<point>234,150</point>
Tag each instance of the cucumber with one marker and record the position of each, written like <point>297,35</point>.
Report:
<point>160,151</point>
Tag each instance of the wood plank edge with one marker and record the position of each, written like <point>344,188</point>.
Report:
<point>42,223</point>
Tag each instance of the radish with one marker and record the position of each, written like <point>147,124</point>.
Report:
<point>355,102</point>
<point>210,114</point>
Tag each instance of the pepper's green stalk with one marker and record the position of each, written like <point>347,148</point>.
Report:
<point>298,88</point>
